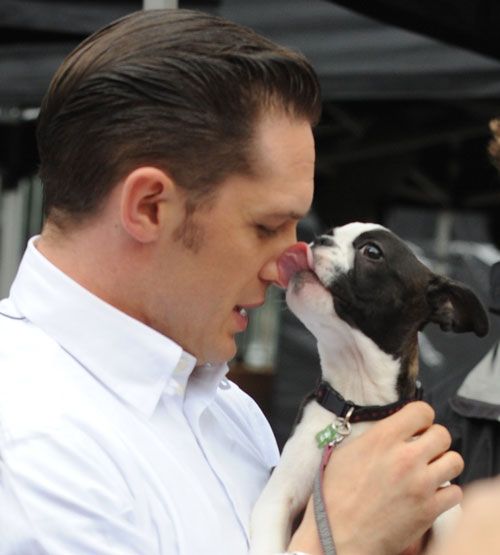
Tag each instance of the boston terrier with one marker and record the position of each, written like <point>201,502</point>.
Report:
<point>364,295</point>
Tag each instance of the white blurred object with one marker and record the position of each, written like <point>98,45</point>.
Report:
<point>262,334</point>
<point>428,353</point>
<point>158,4</point>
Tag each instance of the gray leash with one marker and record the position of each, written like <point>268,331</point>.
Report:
<point>327,439</point>
<point>322,522</point>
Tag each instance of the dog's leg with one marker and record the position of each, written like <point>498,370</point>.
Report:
<point>290,485</point>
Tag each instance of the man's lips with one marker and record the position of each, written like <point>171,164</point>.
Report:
<point>241,314</point>
<point>246,307</point>
<point>295,259</point>
<point>241,318</point>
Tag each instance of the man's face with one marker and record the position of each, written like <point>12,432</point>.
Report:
<point>238,240</point>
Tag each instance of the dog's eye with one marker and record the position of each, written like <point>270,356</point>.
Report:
<point>372,251</point>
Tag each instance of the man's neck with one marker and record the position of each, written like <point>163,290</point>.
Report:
<point>97,258</point>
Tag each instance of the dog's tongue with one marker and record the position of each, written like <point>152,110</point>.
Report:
<point>295,259</point>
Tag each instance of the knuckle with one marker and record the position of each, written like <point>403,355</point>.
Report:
<point>443,434</point>
<point>456,463</point>
<point>426,412</point>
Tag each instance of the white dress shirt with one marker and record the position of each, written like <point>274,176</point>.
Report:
<point>113,440</point>
<point>15,535</point>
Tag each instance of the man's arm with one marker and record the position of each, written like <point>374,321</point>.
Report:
<point>382,490</point>
<point>16,535</point>
<point>74,498</point>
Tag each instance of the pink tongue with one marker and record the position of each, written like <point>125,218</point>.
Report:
<point>293,260</point>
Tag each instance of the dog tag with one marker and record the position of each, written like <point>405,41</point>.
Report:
<point>333,433</point>
<point>326,436</point>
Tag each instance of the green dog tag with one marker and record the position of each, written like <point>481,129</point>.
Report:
<point>326,436</point>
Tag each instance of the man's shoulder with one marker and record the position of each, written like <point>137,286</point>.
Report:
<point>25,351</point>
<point>36,391</point>
<point>24,348</point>
<point>18,336</point>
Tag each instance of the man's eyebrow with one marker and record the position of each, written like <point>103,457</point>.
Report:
<point>290,214</point>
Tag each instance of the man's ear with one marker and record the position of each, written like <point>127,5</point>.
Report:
<point>455,307</point>
<point>144,197</point>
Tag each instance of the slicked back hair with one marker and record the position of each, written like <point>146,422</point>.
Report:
<point>176,89</point>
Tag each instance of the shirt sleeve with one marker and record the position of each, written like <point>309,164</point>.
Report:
<point>73,498</point>
<point>15,536</point>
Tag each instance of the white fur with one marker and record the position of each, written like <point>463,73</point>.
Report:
<point>341,255</point>
<point>348,361</point>
<point>351,362</point>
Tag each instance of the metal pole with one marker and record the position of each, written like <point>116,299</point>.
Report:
<point>158,4</point>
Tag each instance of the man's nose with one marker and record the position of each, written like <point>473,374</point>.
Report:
<point>270,272</point>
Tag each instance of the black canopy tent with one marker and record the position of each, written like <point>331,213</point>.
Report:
<point>471,24</point>
<point>356,56</point>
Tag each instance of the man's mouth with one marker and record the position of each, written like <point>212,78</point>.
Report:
<point>241,311</point>
<point>296,258</point>
<point>240,318</point>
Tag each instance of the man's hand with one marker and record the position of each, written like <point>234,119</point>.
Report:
<point>382,490</point>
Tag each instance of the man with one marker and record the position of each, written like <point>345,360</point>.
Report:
<point>177,157</point>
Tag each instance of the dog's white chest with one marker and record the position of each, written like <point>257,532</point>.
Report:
<point>291,483</point>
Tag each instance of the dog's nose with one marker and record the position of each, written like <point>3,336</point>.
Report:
<point>324,241</point>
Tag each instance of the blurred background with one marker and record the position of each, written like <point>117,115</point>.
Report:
<point>409,88</point>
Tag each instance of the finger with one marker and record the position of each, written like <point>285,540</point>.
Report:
<point>446,467</point>
<point>433,442</point>
<point>411,420</point>
<point>446,498</point>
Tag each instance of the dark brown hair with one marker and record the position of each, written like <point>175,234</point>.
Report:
<point>177,89</point>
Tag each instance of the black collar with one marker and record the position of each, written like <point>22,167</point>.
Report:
<point>333,401</point>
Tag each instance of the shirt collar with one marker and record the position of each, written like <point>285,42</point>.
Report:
<point>133,360</point>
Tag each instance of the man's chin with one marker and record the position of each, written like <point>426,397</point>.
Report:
<point>219,355</point>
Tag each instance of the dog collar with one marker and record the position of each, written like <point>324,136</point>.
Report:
<point>333,401</point>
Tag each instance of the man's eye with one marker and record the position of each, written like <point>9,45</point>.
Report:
<point>265,231</point>
<point>372,251</point>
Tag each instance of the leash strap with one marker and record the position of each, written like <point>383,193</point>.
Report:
<point>320,514</point>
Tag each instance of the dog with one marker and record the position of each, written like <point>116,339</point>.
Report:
<point>364,295</point>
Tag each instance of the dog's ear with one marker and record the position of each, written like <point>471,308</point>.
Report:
<point>455,307</point>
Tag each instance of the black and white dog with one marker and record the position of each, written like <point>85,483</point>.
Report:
<point>364,295</point>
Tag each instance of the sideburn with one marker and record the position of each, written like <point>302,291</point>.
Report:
<point>189,231</point>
